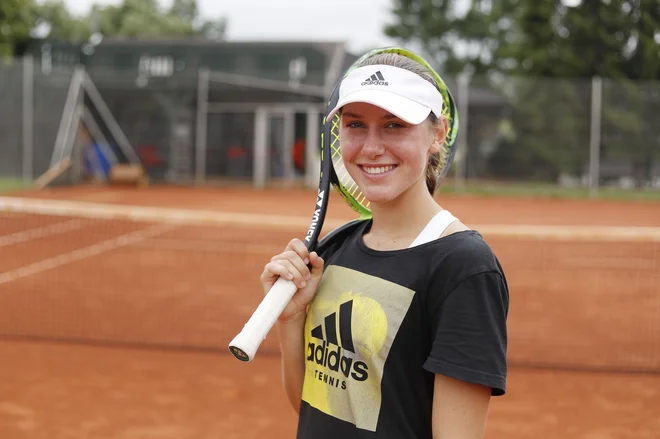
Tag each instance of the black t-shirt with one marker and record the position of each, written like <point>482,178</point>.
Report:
<point>383,323</point>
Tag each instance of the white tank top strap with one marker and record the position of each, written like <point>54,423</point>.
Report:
<point>434,228</point>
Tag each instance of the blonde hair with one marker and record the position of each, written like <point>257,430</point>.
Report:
<point>437,161</point>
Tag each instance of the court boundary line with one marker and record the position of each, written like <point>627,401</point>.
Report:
<point>42,232</point>
<point>196,217</point>
<point>84,253</point>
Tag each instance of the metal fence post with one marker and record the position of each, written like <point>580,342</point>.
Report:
<point>287,149</point>
<point>312,148</point>
<point>28,119</point>
<point>461,154</point>
<point>260,147</point>
<point>201,125</point>
<point>594,137</point>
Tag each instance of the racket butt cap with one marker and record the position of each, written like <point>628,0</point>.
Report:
<point>243,347</point>
<point>240,354</point>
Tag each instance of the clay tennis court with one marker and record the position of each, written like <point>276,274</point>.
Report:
<point>114,321</point>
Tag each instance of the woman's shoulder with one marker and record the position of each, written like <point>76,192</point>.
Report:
<point>338,236</point>
<point>465,249</point>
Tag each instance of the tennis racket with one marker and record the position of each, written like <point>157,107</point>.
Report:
<point>333,173</point>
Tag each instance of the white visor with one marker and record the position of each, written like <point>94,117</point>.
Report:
<point>405,94</point>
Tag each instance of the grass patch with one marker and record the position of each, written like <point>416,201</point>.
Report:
<point>11,184</point>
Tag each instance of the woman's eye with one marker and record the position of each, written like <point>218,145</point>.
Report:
<point>354,124</point>
<point>393,125</point>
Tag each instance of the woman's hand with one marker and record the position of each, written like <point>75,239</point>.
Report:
<point>291,264</point>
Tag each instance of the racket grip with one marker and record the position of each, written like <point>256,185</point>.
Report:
<point>245,345</point>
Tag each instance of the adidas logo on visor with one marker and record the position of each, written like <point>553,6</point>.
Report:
<point>375,79</point>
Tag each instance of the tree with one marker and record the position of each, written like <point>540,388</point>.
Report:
<point>456,40</point>
<point>644,62</point>
<point>17,19</point>
<point>131,18</point>
<point>609,38</point>
<point>55,21</point>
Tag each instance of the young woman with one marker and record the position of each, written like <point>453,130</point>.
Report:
<point>399,328</point>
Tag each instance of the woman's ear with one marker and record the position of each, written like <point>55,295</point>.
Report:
<point>439,134</point>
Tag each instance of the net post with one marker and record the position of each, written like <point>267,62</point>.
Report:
<point>201,124</point>
<point>594,136</point>
<point>28,118</point>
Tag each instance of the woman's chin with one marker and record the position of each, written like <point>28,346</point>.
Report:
<point>379,196</point>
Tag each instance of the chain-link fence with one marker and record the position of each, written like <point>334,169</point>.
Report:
<point>630,135</point>
<point>526,129</point>
<point>11,121</point>
<point>536,131</point>
<point>586,133</point>
<point>31,107</point>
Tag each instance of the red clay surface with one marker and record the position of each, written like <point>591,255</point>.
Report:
<point>573,304</point>
<point>54,391</point>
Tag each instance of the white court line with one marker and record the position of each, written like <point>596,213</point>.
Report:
<point>42,232</point>
<point>84,253</point>
<point>211,246</point>
<point>572,233</point>
<point>152,214</point>
<point>191,217</point>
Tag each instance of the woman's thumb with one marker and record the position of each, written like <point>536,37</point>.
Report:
<point>317,264</point>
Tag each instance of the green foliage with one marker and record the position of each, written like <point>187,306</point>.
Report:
<point>11,184</point>
<point>61,25</point>
<point>609,38</point>
<point>455,39</point>
<point>21,20</point>
<point>131,18</point>
<point>17,19</point>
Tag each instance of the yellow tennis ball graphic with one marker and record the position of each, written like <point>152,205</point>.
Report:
<point>369,325</point>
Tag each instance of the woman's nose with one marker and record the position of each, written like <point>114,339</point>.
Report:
<point>373,145</point>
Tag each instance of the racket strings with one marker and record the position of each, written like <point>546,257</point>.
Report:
<point>347,186</point>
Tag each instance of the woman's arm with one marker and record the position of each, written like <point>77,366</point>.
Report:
<point>292,265</point>
<point>459,409</point>
<point>290,334</point>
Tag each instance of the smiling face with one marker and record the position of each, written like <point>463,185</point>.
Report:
<point>384,155</point>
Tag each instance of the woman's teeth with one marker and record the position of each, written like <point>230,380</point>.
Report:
<point>378,169</point>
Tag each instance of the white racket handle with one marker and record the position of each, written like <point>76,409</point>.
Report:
<point>245,345</point>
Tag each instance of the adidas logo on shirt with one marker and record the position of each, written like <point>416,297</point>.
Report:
<point>334,351</point>
<point>375,79</point>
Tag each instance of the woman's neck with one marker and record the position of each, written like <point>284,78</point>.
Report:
<point>396,224</point>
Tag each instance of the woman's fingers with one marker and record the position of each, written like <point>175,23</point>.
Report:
<point>295,259</point>
<point>288,270</point>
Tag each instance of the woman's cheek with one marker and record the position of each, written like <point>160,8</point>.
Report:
<point>349,148</point>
